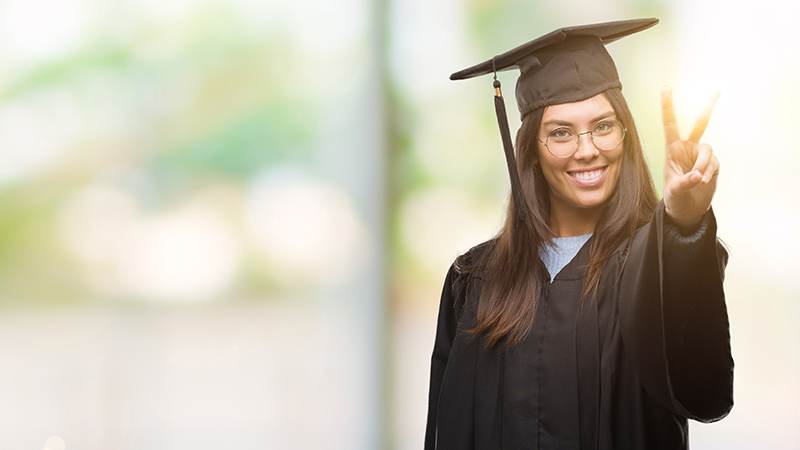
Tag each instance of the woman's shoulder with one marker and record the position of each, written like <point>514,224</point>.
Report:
<point>473,260</point>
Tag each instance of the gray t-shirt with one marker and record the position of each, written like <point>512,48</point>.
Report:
<point>558,255</point>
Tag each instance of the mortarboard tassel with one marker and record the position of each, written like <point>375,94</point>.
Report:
<point>505,134</point>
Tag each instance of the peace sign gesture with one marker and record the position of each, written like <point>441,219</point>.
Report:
<point>690,170</point>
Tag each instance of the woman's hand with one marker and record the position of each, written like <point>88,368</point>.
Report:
<point>691,169</point>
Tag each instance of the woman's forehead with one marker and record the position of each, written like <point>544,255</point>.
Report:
<point>588,110</point>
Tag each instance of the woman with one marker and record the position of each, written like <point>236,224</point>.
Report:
<point>596,318</point>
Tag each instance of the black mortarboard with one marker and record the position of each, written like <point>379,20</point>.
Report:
<point>567,65</point>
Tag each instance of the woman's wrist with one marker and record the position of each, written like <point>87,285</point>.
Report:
<point>686,226</point>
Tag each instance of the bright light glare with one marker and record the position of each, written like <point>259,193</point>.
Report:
<point>692,95</point>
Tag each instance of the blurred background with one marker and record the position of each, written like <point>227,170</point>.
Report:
<point>226,223</point>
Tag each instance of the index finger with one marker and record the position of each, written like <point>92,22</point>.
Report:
<point>701,122</point>
<point>671,131</point>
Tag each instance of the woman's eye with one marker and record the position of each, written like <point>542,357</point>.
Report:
<point>605,127</point>
<point>562,134</point>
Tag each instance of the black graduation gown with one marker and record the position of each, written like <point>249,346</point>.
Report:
<point>622,372</point>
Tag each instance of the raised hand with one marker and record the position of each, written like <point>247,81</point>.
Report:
<point>691,169</point>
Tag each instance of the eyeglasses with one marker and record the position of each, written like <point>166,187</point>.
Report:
<point>563,142</point>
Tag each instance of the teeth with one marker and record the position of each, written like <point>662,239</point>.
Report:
<point>588,175</point>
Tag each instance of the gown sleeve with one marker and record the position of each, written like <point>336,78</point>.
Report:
<point>674,320</point>
<point>449,311</point>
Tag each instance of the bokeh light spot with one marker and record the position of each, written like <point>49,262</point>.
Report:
<point>54,443</point>
<point>306,225</point>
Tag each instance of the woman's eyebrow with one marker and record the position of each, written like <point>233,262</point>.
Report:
<point>558,122</point>
<point>565,123</point>
<point>605,115</point>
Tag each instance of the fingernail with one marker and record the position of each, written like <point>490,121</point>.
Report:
<point>705,180</point>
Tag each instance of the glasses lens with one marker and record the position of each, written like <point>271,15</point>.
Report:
<point>608,134</point>
<point>561,142</point>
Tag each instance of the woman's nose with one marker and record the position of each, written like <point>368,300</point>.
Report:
<point>586,147</point>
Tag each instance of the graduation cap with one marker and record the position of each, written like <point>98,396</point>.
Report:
<point>567,65</point>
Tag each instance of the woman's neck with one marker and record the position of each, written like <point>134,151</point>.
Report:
<point>569,222</point>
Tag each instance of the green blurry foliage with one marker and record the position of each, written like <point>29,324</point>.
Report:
<point>202,102</point>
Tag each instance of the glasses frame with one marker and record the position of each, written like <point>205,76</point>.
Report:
<point>578,140</point>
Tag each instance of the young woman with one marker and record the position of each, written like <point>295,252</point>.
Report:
<point>596,318</point>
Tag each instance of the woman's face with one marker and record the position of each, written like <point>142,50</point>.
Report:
<point>584,181</point>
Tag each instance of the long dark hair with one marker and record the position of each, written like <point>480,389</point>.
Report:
<point>515,278</point>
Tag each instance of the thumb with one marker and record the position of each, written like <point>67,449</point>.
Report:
<point>687,181</point>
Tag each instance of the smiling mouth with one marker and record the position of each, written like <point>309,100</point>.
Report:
<point>588,175</point>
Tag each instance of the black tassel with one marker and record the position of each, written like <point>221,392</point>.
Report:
<point>505,134</point>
